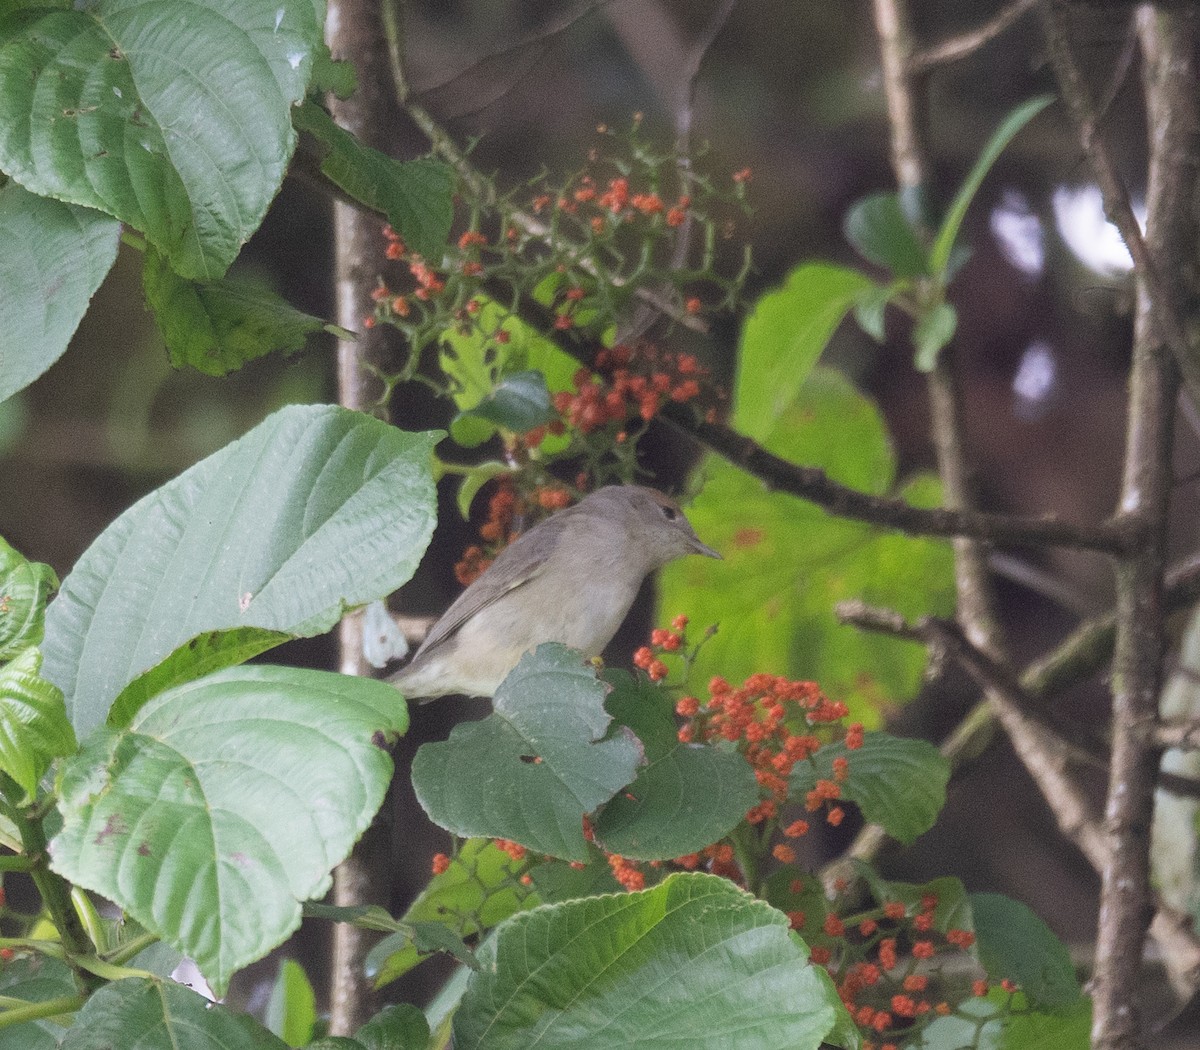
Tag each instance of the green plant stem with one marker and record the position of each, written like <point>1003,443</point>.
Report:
<point>127,951</point>
<point>55,890</point>
<point>18,862</point>
<point>32,944</point>
<point>65,1004</point>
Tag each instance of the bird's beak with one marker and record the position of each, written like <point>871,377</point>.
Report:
<point>704,548</point>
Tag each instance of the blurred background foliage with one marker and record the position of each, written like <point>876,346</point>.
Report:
<point>792,90</point>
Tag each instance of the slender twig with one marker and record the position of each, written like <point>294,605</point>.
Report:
<point>1180,733</point>
<point>956,47</point>
<point>546,33</point>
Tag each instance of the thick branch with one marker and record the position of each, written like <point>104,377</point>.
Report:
<point>355,33</point>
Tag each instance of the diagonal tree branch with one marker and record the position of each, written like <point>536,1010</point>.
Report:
<point>957,47</point>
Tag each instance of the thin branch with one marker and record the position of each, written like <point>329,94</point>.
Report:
<point>545,34</point>
<point>1045,755</point>
<point>956,47</point>
<point>1177,733</point>
<point>1173,931</point>
<point>814,485</point>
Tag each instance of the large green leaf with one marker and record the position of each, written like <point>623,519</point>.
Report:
<point>693,962</point>
<point>316,510</point>
<point>217,326</point>
<point>55,256</point>
<point>36,979</point>
<point>171,115</point>
<point>34,728</point>
<point>1014,943</point>
<point>415,195</point>
<point>225,803</point>
<point>531,769</point>
<point>783,338</point>
<point>24,588</point>
<point>686,797</point>
<point>163,1015</point>
<point>897,782</point>
<point>788,563</point>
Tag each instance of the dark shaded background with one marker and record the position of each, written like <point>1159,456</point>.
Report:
<point>791,89</point>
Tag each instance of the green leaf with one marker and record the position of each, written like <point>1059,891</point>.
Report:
<point>787,563</point>
<point>475,363</point>
<point>531,769</point>
<point>34,728</point>
<point>212,651</point>
<point>36,979</point>
<point>518,403</point>
<point>336,76</point>
<point>316,510</point>
<point>226,803</point>
<point>173,117</point>
<point>797,893</point>
<point>1014,943</point>
<point>686,797</point>
<point>931,333</point>
<point>217,326</point>
<point>24,588</point>
<point>783,338</point>
<point>869,310</point>
<point>693,962</point>
<point>943,243</point>
<point>399,1027</point>
<point>877,227</point>
<point>292,1008</point>
<point>898,783</point>
<point>415,195</point>
<point>55,256</point>
<point>557,880</point>
<point>953,910</point>
<point>162,1015</point>
<point>474,479</point>
<point>479,890</point>
<point>1069,1029</point>
<point>978,1024</point>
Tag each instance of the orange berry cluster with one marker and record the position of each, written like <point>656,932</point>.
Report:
<point>762,717</point>
<point>631,384</point>
<point>885,991</point>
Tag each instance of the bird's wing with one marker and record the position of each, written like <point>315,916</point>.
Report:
<point>519,562</point>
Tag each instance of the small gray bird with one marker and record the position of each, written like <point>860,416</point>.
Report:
<point>569,579</point>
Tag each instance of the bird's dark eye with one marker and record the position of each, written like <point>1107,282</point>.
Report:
<point>670,513</point>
